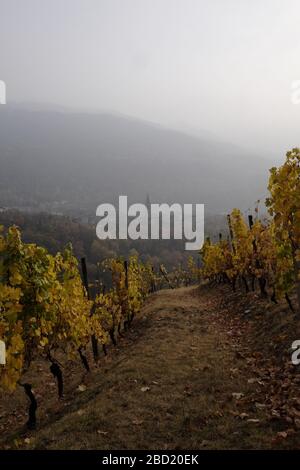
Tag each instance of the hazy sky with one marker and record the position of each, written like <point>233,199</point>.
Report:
<point>224,67</point>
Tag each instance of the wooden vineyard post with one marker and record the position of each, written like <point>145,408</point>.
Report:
<point>198,269</point>
<point>153,283</point>
<point>86,285</point>
<point>126,273</point>
<point>261,280</point>
<point>165,275</point>
<point>31,423</point>
<point>250,221</point>
<point>231,245</point>
<point>129,314</point>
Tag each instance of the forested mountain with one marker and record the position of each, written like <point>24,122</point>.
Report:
<point>70,162</point>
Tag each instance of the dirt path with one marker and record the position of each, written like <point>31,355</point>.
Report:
<point>175,382</point>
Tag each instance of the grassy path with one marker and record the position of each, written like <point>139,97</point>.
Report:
<point>175,382</point>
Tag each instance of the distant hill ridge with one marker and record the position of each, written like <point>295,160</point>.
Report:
<point>67,161</point>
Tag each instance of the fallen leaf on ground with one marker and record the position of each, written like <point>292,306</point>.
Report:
<point>251,381</point>
<point>137,422</point>
<point>297,423</point>
<point>237,396</point>
<point>260,406</point>
<point>282,434</point>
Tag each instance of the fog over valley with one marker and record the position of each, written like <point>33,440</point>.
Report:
<point>64,161</point>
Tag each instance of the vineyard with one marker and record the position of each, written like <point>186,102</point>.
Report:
<point>45,308</point>
<point>263,253</point>
<point>50,313</point>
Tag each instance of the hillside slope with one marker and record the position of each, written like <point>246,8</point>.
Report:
<point>193,372</point>
<point>71,162</point>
